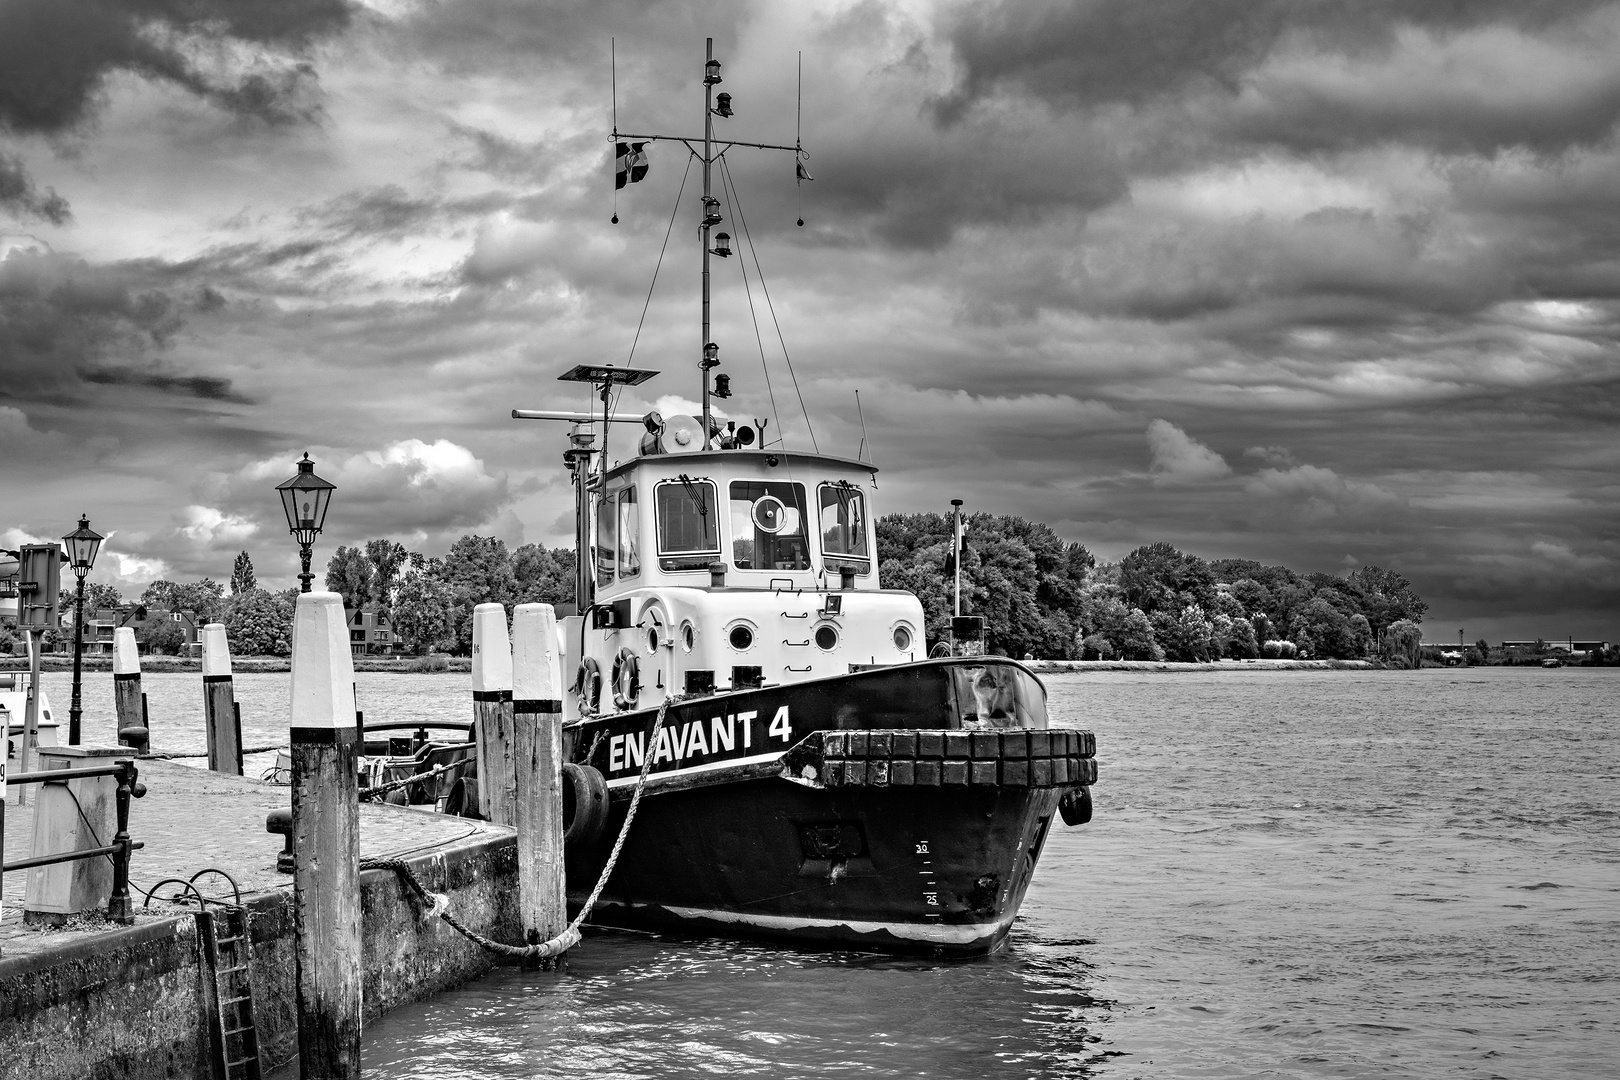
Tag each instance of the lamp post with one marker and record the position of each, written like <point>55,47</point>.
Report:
<point>82,545</point>
<point>304,498</point>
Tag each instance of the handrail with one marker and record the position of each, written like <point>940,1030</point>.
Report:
<point>120,908</point>
<point>51,775</point>
<point>407,725</point>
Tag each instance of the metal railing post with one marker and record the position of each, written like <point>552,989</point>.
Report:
<point>121,908</point>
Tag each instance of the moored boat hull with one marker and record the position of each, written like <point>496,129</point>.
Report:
<point>931,869</point>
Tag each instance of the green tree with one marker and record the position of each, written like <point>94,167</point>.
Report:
<point>242,576</point>
<point>259,623</point>
<point>542,576</point>
<point>164,636</point>
<point>388,560</point>
<point>1387,597</point>
<point>1401,643</point>
<point>1241,642</point>
<point>205,598</point>
<point>1158,577</point>
<point>422,614</point>
<point>349,574</point>
<point>478,570</point>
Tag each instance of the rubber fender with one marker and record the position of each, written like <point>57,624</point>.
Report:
<point>463,800</point>
<point>588,684</point>
<point>1075,806</point>
<point>585,806</point>
<point>396,797</point>
<point>626,679</point>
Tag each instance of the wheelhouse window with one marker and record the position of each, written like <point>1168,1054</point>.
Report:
<point>843,526</point>
<point>688,526</point>
<point>607,538</point>
<point>768,526</point>
<point>629,534</point>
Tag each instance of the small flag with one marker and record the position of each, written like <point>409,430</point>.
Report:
<point>803,173</point>
<point>629,164</point>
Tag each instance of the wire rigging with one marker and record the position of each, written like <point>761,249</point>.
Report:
<point>725,169</point>
<point>725,180</point>
<point>642,321</point>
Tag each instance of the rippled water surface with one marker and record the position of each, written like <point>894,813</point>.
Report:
<point>1289,874</point>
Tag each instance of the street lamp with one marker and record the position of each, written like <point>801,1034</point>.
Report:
<point>304,498</point>
<point>82,544</point>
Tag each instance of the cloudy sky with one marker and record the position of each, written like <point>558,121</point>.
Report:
<point>1316,283</point>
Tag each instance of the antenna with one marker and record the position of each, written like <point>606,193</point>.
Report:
<point>613,62</point>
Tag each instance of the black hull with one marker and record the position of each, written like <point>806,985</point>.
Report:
<point>766,849</point>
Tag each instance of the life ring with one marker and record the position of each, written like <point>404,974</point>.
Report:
<point>588,684</point>
<point>1075,806</point>
<point>585,806</point>
<point>626,679</point>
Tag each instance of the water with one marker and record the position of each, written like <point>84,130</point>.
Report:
<point>1293,874</point>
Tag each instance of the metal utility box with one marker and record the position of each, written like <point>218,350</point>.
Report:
<point>39,583</point>
<point>72,816</point>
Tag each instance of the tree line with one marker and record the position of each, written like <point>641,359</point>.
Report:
<point>1043,596</point>
<point>1039,595</point>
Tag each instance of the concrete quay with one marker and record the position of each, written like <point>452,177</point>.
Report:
<point>96,999</point>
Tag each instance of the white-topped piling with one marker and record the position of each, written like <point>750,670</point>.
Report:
<point>326,841</point>
<point>537,692</point>
<point>132,730</point>
<point>492,714</point>
<point>219,703</point>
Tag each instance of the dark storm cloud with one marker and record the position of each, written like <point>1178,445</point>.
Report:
<point>67,326</point>
<point>56,55</point>
<point>1099,53</point>
<point>23,199</point>
<point>201,386</point>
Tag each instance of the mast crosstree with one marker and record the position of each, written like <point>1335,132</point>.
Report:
<point>711,152</point>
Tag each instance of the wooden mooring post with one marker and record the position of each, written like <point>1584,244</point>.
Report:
<point>537,720</point>
<point>219,703</point>
<point>127,703</point>
<point>492,713</point>
<point>326,841</point>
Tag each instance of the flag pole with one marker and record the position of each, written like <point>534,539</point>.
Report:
<point>956,556</point>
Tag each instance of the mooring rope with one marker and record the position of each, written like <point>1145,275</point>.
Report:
<point>438,903</point>
<point>373,792</point>
<point>204,753</point>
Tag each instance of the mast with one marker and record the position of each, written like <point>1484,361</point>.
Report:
<point>956,557</point>
<point>711,75</point>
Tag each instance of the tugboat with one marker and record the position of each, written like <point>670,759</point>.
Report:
<point>809,773</point>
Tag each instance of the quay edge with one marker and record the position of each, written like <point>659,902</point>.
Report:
<point>127,1002</point>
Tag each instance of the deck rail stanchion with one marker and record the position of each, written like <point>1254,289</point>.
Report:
<point>326,841</point>
<point>128,701</point>
<point>219,702</point>
<point>492,713</point>
<point>537,719</point>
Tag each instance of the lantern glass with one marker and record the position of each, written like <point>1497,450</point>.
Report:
<point>82,545</point>
<point>304,500</point>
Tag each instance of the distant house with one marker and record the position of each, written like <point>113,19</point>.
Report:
<point>144,619</point>
<point>98,631</point>
<point>369,631</point>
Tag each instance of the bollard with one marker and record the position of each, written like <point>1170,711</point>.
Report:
<point>326,842</point>
<point>537,723</point>
<point>492,715</point>
<point>131,713</point>
<point>219,703</point>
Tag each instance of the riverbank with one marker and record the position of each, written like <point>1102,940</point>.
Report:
<point>1054,666</point>
<point>404,665</point>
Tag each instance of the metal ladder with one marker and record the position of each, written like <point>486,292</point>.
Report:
<point>228,993</point>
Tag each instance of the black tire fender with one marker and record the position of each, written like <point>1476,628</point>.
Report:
<point>1075,806</point>
<point>626,679</point>
<point>585,806</point>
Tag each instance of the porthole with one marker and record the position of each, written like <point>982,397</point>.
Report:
<point>654,638</point>
<point>827,637</point>
<point>688,636</point>
<point>741,637</point>
<point>902,638</point>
